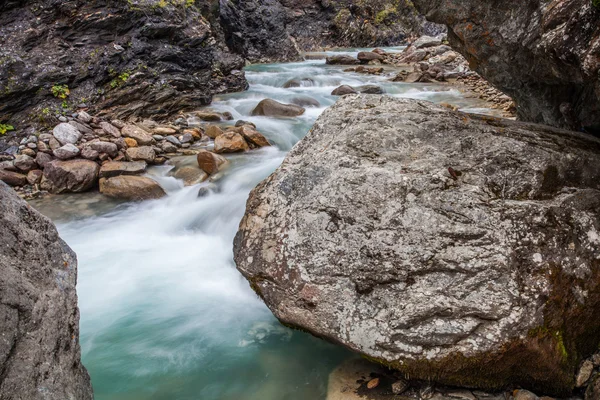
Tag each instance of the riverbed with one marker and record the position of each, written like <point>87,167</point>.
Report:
<point>164,312</point>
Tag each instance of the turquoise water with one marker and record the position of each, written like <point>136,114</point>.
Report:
<point>164,312</point>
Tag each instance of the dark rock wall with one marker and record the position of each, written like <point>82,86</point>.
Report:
<point>39,329</point>
<point>544,54</point>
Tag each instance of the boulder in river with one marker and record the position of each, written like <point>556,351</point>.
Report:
<point>252,136</point>
<point>230,142</point>
<point>299,82</point>
<point>366,56</point>
<point>343,90</point>
<point>370,89</point>
<point>190,175</point>
<point>272,108</point>
<point>213,131</point>
<point>40,353</point>
<point>210,162</point>
<point>133,188</point>
<point>70,176</point>
<point>342,59</point>
<point>456,248</point>
<point>305,101</point>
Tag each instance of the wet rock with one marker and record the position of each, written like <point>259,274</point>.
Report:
<point>173,140</point>
<point>370,89</point>
<point>342,59</point>
<point>393,209</point>
<point>242,123</point>
<point>168,147</point>
<point>343,90</point>
<point>34,176</point>
<point>117,168</point>
<point>305,101</point>
<point>253,137</point>
<point>40,319</point>
<point>366,56</point>
<point>213,131</point>
<point>105,147</point>
<point>70,176</point>
<point>272,108</point>
<point>142,137</point>
<point>24,163</point>
<point>210,162</point>
<point>132,188</point>
<point>13,178</point>
<point>66,152</point>
<point>142,153</point>
<point>196,133</point>
<point>190,175</point>
<point>230,142</point>
<point>186,138</point>
<point>585,373</point>
<point>110,129</point>
<point>65,134</point>
<point>302,82</point>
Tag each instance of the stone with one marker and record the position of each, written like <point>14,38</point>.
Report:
<point>241,122</point>
<point>370,89</point>
<point>585,373</point>
<point>230,142</point>
<point>461,394</point>
<point>24,163</point>
<point>118,123</point>
<point>105,147</point>
<point>143,153</point>
<point>373,383</point>
<point>210,162</point>
<point>13,178</point>
<point>38,304</point>
<point>34,176</point>
<point>426,41</point>
<point>89,154</point>
<point>53,144</point>
<point>253,137</point>
<point>131,142</point>
<point>547,61</point>
<point>28,152</point>
<point>132,188</point>
<point>341,60</point>
<point>593,390</point>
<point>158,138</point>
<point>72,176</point>
<point>196,133</point>
<point>366,56</point>
<point>213,131</point>
<point>399,387</point>
<point>303,82</point>
<point>190,175</point>
<point>596,359</point>
<point>43,147</point>
<point>66,152</point>
<point>110,129</point>
<point>117,168</point>
<point>187,138</point>
<point>84,129</point>
<point>305,101</point>
<point>343,90</point>
<point>32,146</point>
<point>168,147</point>
<point>84,117</point>
<point>272,108</point>
<point>208,116</point>
<point>164,130</point>
<point>65,134</point>
<point>142,137</point>
<point>8,165</point>
<point>399,218</point>
<point>173,140</point>
<point>524,395</point>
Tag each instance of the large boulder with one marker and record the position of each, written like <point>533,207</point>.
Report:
<point>133,188</point>
<point>40,355</point>
<point>272,108</point>
<point>230,142</point>
<point>66,134</point>
<point>70,176</point>
<point>545,55</point>
<point>13,178</point>
<point>210,162</point>
<point>341,59</point>
<point>457,248</point>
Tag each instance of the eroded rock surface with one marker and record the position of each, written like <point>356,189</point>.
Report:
<point>544,54</point>
<point>39,346</point>
<point>457,248</point>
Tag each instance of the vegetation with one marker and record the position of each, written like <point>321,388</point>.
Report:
<point>5,128</point>
<point>60,91</point>
<point>596,3</point>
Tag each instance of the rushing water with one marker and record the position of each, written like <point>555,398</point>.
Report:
<point>164,312</point>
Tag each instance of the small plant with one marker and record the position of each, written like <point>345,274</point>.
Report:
<point>60,91</point>
<point>596,3</point>
<point>65,105</point>
<point>5,128</point>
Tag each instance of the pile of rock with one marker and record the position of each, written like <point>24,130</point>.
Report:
<point>84,152</point>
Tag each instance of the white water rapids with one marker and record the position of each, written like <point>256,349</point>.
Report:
<point>164,312</point>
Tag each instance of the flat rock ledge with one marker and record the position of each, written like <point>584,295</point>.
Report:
<point>456,248</point>
<point>40,357</point>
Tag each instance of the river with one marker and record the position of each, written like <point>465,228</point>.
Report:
<point>164,312</point>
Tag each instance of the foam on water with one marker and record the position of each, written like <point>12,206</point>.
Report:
<point>164,312</point>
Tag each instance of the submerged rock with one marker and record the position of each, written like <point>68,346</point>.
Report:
<point>456,248</point>
<point>133,188</point>
<point>305,101</point>
<point>39,351</point>
<point>272,108</point>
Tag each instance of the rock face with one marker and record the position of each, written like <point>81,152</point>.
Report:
<point>545,55</point>
<point>458,248</point>
<point>39,351</point>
